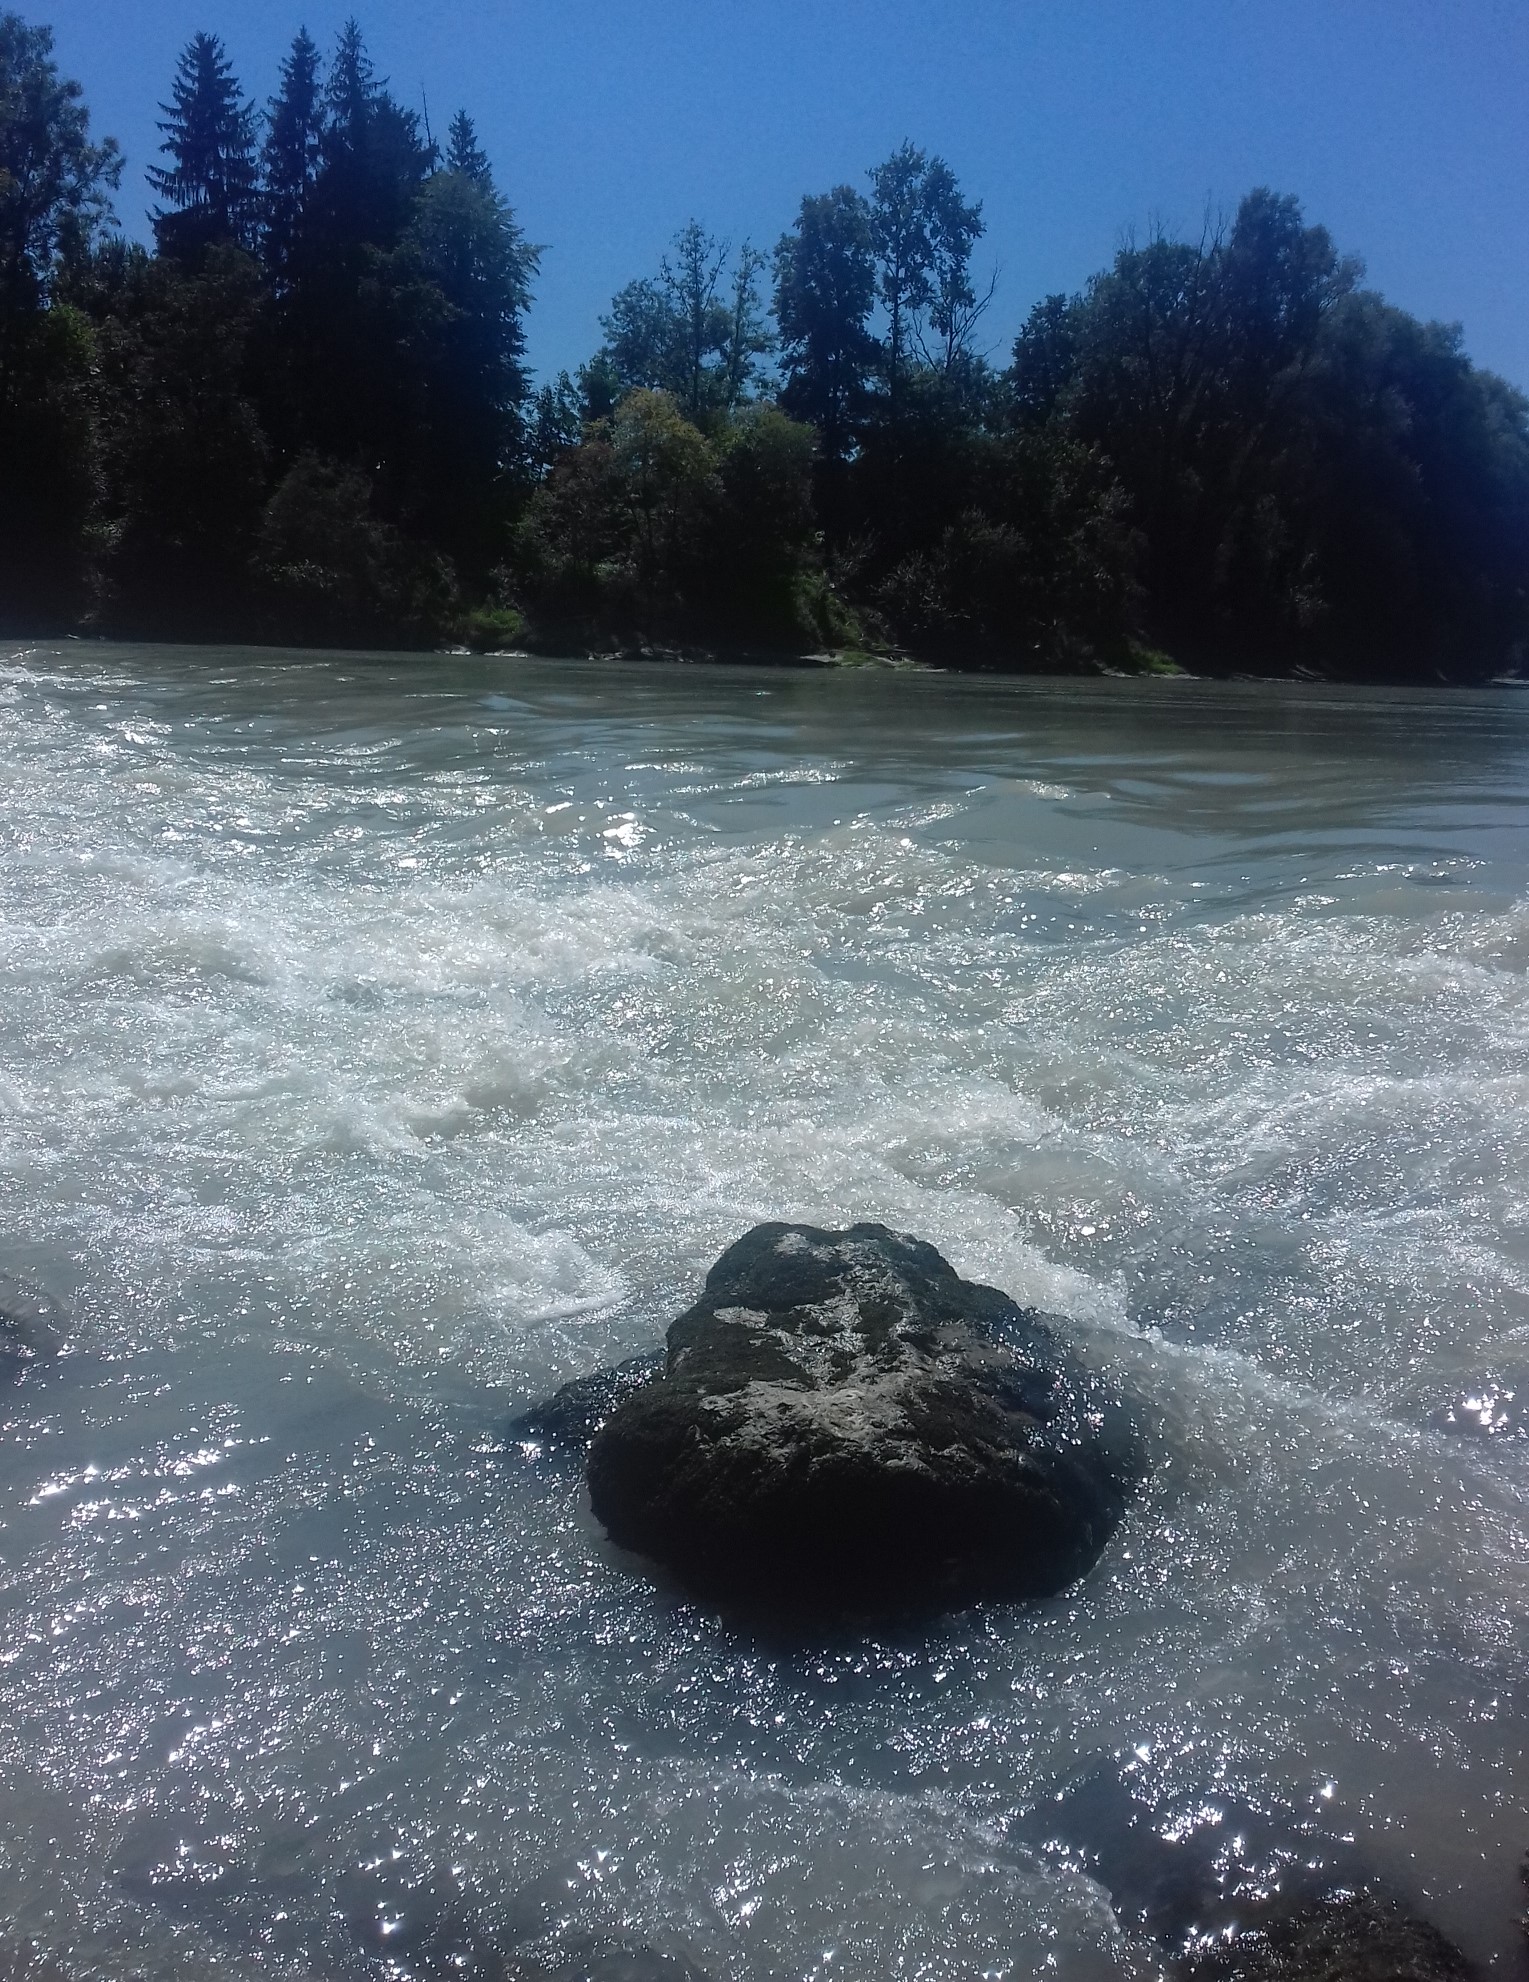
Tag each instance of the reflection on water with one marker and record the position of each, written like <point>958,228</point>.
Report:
<point>383,1043</point>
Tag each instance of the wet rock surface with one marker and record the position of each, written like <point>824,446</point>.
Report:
<point>1237,1890</point>
<point>31,1326</point>
<point>568,1421</point>
<point>1349,1937</point>
<point>844,1424</point>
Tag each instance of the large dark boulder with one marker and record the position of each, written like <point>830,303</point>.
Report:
<point>844,1424</point>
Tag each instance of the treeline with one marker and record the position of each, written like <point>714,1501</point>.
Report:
<point>305,416</point>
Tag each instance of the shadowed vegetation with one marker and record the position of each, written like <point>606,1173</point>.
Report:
<point>304,415</point>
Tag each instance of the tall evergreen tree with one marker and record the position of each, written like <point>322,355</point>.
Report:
<point>374,159</point>
<point>293,154</point>
<point>209,187</point>
<point>467,345</point>
<point>464,155</point>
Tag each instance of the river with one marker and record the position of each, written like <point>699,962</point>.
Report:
<point>385,1041</point>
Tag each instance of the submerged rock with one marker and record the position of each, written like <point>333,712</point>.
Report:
<point>31,1326</point>
<point>1236,1886</point>
<point>1350,1937</point>
<point>844,1424</point>
<point>571,1418</point>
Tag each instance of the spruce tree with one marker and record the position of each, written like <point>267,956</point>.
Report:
<point>209,188</point>
<point>464,155</point>
<point>468,347</point>
<point>374,159</point>
<point>293,152</point>
<point>352,92</point>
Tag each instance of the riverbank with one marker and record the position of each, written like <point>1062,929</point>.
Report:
<point>1138,661</point>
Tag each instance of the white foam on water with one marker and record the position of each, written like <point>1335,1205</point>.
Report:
<point>378,1050</point>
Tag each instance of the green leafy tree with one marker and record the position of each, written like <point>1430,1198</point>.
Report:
<point>695,331</point>
<point>330,570</point>
<point>749,342</point>
<point>1045,360</point>
<point>699,316</point>
<point>643,348</point>
<point>666,472</point>
<point>557,422</point>
<point>55,183</point>
<point>825,290</point>
<point>763,532</point>
<point>900,234</point>
<point>923,232</point>
<point>209,188</point>
<point>955,307</point>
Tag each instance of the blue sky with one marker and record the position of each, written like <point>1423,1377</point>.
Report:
<point>1403,124</point>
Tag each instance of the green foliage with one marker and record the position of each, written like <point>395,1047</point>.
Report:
<point>695,331</point>
<point>825,290</point>
<point>184,455</point>
<point>650,524</point>
<point>923,233</point>
<point>1044,570</point>
<point>49,468</point>
<point>1313,474</point>
<point>332,572</point>
<point>308,414</point>
<point>494,629</point>
<point>465,157</point>
<point>55,185</point>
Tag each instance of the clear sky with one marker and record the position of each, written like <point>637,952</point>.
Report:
<point>1403,124</point>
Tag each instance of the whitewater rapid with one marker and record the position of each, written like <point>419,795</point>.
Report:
<point>384,1042</point>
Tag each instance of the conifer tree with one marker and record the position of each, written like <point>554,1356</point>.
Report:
<point>353,90</point>
<point>374,159</point>
<point>464,155</point>
<point>209,187</point>
<point>293,152</point>
<point>467,435</point>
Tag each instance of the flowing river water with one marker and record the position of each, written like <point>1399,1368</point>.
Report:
<point>384,1042</point>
